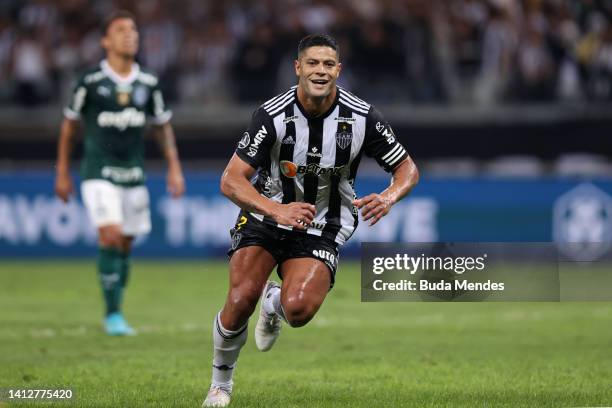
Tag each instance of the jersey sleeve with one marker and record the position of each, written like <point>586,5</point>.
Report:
<point>380,142</point>
<point>78,99</point>
<point>157,109</point>
<point>256,143</point>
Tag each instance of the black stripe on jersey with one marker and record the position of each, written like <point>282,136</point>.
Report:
<point>286,153</point>
<point>352,176</point>
<point>343,155</point>
<point>313,156</point>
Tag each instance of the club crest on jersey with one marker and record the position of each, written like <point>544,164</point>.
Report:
<point>343,139</point>
<point>244,142</point>
<point>140,95</point>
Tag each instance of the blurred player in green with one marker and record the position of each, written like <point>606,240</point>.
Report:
<point>113,100</point>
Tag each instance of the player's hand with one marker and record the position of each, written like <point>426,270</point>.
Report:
<point>297,215</point>
<point>63,187</point>
<point>176,183</point>
<point>373,207</point>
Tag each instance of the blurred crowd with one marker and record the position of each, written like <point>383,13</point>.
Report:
<point>393,51</point>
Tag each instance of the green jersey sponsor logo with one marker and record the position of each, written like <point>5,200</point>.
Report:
<point>129,117</point>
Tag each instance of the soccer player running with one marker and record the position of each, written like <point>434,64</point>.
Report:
<point>301,150</point>
<point>113,101</point>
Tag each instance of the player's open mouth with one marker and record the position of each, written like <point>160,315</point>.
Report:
<point>319,81</point>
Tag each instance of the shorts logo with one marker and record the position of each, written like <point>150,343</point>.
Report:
<point>244,142</point>
<point>379,127</point>
<point>324,255</point>
<point>236,239</point>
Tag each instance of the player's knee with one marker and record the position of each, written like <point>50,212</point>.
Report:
<point>111,238</point>
<point>298,312</point>
<point>242,299</point>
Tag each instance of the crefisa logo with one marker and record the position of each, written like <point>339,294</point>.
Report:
<point>582,223</point>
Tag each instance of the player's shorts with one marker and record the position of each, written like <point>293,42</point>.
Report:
<point>109,204</point>
<point>283,244</point>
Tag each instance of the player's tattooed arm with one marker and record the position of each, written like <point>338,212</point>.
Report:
<point>63,182</point>
<point>375,206</point>
<point>167,144</point>
<point>236,185</point>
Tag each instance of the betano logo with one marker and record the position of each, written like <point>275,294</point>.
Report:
<point>290,169</point>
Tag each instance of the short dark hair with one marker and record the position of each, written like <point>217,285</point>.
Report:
<point>119,14</point>
<point>314,40</point>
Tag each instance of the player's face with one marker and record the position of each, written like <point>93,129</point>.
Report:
<point>121,38</point>
<point>318,69</point>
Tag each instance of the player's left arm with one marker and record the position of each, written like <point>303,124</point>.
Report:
<point>164,135</point>
<point>380,143</point>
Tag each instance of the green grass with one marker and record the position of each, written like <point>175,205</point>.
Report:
<point>352,354</point>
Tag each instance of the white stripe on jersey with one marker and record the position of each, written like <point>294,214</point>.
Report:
<point>353,106</point>
<point>272,101</point>
<point>396,157</point>
<point>278,103</point>
<point>280,108</point>
<point>354,99</point>
<point>392,152</point>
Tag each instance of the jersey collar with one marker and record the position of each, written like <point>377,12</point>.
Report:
<point>324,115</point>
<point>118,79</point>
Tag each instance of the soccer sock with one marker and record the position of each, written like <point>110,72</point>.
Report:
<point>125,273</point>
<point>272,303</point>
<point>226,348</point>
<point>125,268</point>
<point>110,267</point>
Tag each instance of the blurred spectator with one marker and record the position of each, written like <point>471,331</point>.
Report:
<point>31,69</point>
<point>395,51</point>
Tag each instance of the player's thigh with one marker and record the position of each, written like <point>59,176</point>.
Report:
<point>135,206</point>
<point>103,202</point>
<point>306,282</point>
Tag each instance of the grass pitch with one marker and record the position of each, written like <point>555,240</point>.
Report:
<point>352,354</point>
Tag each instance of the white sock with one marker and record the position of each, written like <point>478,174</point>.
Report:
<point>272,303</point>
<point>226,348</point>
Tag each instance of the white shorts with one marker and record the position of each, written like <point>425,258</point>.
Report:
<point>109,204</point>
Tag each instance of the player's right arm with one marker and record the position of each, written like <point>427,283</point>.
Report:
<point>253,151</point>
<point>72,113</point>
<point>63,182</point>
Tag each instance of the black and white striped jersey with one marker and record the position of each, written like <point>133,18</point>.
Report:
<point>315,159</point>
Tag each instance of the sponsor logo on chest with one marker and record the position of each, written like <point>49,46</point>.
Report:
<point>129,117</point>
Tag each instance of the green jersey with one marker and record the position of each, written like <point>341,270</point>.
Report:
<point>114,110</point>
